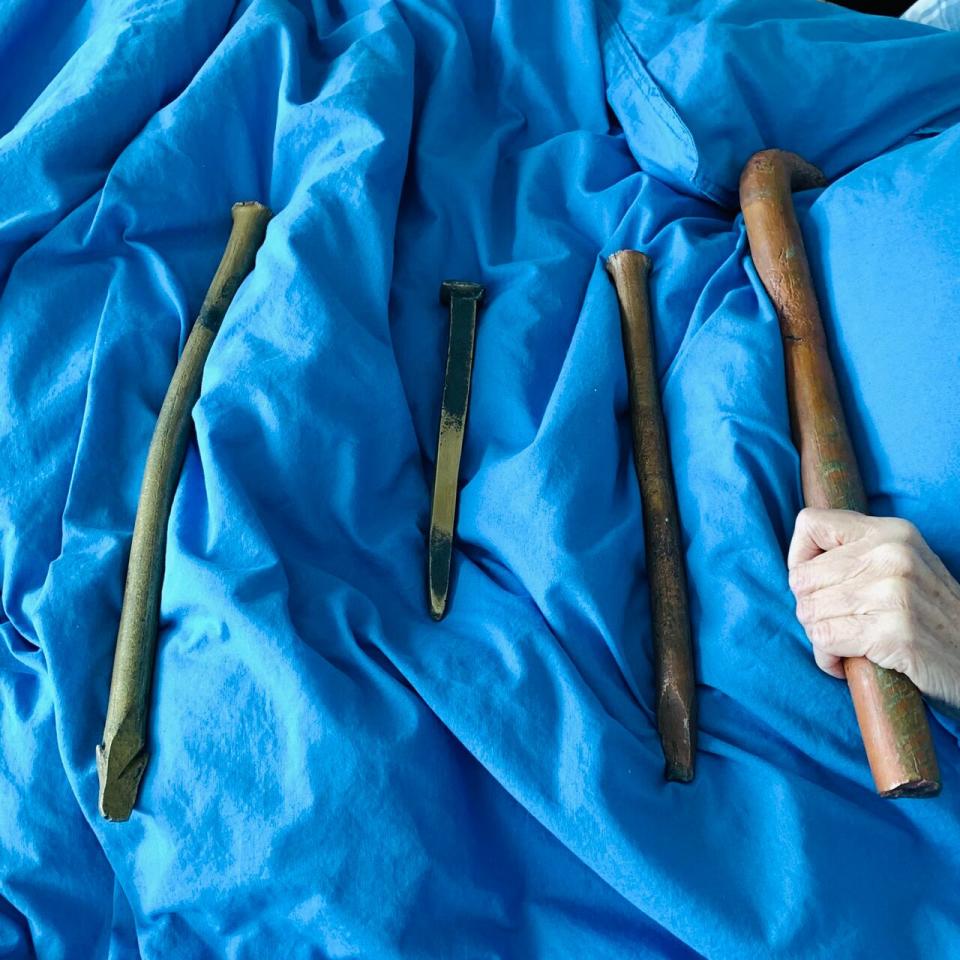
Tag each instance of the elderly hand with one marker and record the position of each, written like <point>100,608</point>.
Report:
<point>871,587</point>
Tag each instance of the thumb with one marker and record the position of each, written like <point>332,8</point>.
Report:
<point>817,531</point>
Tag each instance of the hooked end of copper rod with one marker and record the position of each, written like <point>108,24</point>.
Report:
<point>770,175</point>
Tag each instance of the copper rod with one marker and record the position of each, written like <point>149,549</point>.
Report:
<point>122,754</point>
<point>673,653</point>
<point>889,709</point>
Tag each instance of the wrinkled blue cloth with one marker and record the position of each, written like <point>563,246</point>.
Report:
<point>332,774</point>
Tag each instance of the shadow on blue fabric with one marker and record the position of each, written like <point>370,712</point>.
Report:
<point>332,774</point>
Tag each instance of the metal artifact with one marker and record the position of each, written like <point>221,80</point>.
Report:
<point>122,755</point>
<point>672,646</point>
<point>463,298</point>
<point>889,708</point>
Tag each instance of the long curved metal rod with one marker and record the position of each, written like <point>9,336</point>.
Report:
<point>889,708</point>
<point>122,755</point>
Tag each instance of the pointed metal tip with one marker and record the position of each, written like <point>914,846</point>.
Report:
<point>438,577</point>
<point>119,783</point>
<point>438,606</point>
<point>439,562</point>
<point>675,721</point>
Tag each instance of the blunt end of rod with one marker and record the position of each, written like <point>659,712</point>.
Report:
<point>252,217</point>
<point>896,733</point>
<point>250,208</point>
<point>627,259</point>
<point>119,781</point>
<point>678,756</point>
<point>677,772</point>
<point>912,790</point>
<point>677,728</point>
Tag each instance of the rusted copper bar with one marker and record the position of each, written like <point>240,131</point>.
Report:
<point>889,708</point>
<point>463,297</point>
<point>676,687</point>
<point>122,755</point>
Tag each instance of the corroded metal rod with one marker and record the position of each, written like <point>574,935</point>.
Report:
<point>463,298</point>
<point>673,653</point>
<point>889,709</point>
<point>122,756</point>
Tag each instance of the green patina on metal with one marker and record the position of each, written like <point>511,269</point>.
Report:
<point>122,754</point>
<point>463,298</point>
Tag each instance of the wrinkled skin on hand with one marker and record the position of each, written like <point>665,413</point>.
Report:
<point>870,586</point>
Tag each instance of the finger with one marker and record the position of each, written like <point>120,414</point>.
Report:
<point>890,551</point>
<point>828,663</point>
<point>853,636</point>
<point>857,596</point>
<point>882,638</point>
<point>885,638</point>
<point>833,567</point>
<point>817,531</point>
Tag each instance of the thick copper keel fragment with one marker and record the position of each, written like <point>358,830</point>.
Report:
<point>673,649</point>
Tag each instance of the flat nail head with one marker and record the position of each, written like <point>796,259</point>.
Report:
<point>460,290</point>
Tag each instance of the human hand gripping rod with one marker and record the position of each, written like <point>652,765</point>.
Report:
<point>676,687</point>
<point>122,756</point>
<point>889,709</point>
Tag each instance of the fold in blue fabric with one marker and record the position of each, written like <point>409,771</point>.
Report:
<point>332,774</point>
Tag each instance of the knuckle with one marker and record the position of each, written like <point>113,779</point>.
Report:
<point>896,558</point>
<point>809,519</point>
<point>902,531</point>
<point>897,593</point>
<point>806,610</point>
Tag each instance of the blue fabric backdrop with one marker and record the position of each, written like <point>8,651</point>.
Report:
<point>333,774</point>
